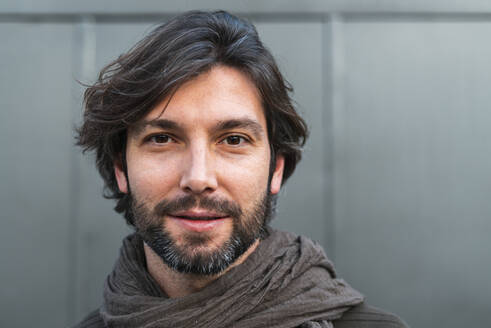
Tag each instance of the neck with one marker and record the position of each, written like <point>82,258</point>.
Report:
<point>176,284</point>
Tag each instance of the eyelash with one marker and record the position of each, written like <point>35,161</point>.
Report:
<point>153,137</point>
<point>242,139</point>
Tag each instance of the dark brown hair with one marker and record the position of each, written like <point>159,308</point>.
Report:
<point>173,53</point>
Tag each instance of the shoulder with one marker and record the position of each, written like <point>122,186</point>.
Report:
<point>92,320</point>
<point>360,316</point>
<point>365,316</point>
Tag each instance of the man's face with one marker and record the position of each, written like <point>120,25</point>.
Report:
<point>197,168</point>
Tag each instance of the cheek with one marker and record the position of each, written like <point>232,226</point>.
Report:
<point>151,179</point>
<point>247,179</point>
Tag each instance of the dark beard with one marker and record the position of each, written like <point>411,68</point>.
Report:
<point>247,228</point>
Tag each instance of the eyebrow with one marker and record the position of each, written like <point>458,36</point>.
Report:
<point>241,123</point>
<point>157,123</point>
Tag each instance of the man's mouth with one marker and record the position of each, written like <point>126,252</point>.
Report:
<point>198,221</point>
<point>199,215</point>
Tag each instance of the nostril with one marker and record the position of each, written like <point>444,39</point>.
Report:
<point>198,182</point>
<point>198,187</point>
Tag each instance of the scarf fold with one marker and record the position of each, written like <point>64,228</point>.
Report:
<point>286,282</point>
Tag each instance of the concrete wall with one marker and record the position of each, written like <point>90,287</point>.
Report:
<point>394,182</point>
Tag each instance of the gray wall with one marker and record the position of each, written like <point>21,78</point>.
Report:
<point>394,181</point>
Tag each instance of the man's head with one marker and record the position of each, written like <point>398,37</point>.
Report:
<point>194,133</point>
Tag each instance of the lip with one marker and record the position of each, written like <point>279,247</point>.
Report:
<point>198,223</point>
<point>198,214</point>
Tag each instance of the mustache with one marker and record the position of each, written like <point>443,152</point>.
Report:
<point>185,203</point>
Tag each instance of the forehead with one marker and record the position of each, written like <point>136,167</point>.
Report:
<point>223,93</point>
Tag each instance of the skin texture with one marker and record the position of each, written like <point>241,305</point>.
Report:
<point>187,145</point>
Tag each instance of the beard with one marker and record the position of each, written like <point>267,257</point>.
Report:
<point>189,256</point>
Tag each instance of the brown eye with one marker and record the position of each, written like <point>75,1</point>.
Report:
<point>160,138</point>
<point>234,140</point>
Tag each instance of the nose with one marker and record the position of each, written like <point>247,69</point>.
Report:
<point>198,171</point>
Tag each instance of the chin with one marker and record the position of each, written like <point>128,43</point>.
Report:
<point>197,253</point>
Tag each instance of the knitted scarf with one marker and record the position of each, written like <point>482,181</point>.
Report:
<point>286,282</point>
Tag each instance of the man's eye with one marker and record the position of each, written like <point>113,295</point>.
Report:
<point>234,140</point>
<point>160,139</point>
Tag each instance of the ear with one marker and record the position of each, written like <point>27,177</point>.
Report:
<point>120,176</point>
<point>277,174</point>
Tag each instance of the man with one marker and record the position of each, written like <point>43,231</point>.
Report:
<point>195,133</point>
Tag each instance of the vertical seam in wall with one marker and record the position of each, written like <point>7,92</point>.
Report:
<point>83,65</point>
<point>71,297</point>
<point>338,129</point>
<point>88,67</point>
<point>326,54</point>
<point>333,72</point>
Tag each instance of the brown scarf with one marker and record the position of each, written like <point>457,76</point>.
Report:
<point>286,282</point>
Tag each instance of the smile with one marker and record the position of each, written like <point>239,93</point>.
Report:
<point>198,221</point>
<point>199,215</point>
<point>198,218</point>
